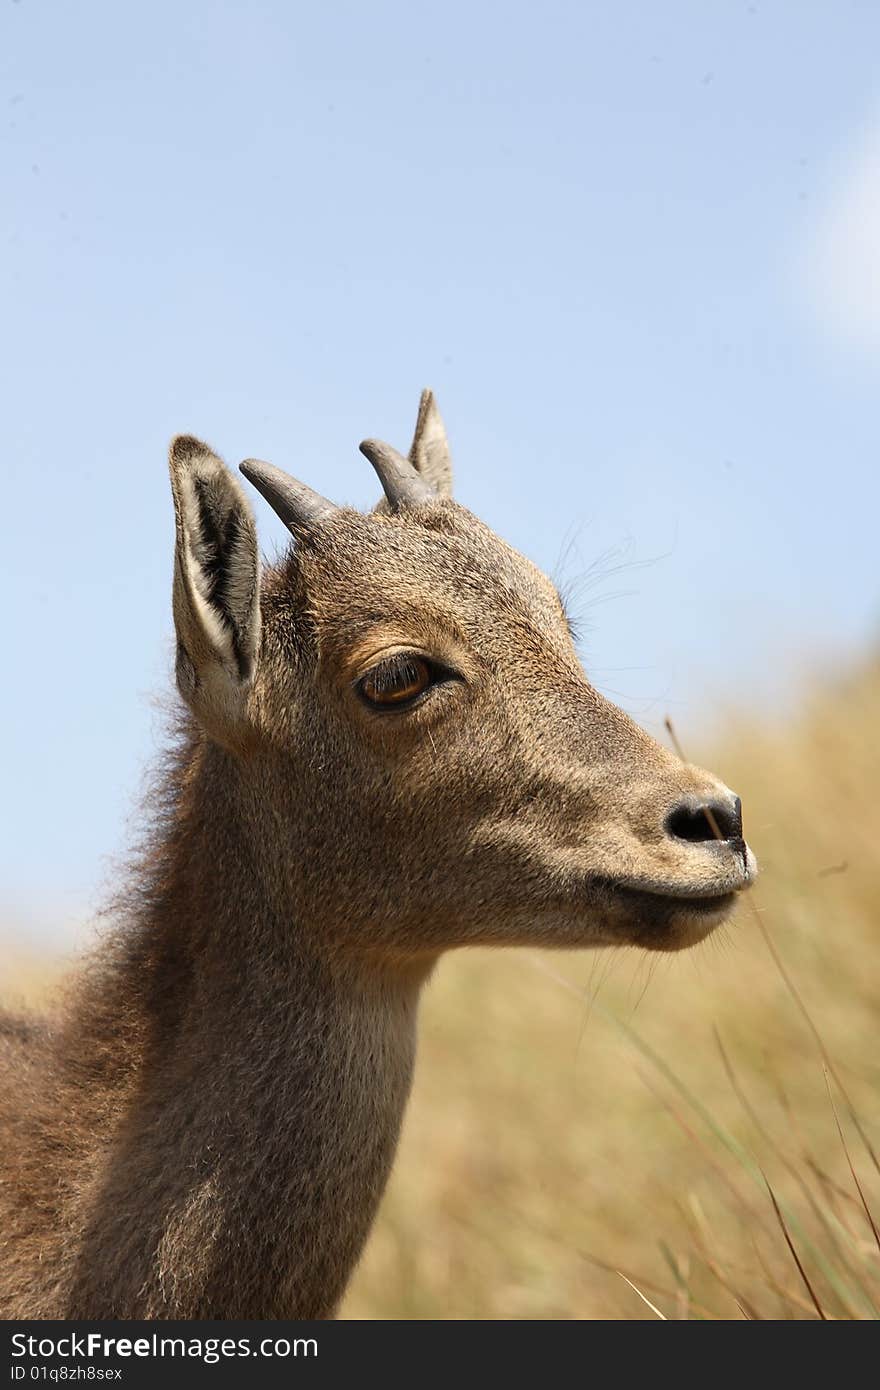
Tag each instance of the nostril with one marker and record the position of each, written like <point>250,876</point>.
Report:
<point>709,820</point>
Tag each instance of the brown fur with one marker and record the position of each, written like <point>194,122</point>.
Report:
<point>206,1126</point>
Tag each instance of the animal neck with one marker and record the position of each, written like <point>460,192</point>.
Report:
<point>259,1117</point>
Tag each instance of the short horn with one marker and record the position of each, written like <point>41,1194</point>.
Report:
<point>297,505</point>
<point>400,481</point>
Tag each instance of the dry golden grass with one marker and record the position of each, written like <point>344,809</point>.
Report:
<point>574,1111</point>
<point>29,976</point>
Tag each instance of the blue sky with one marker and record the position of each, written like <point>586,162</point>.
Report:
<point>633,247</point>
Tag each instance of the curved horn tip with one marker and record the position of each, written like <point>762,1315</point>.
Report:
<point>253,469</point>
<point>374,448</point>
<point>401,482</point>
<point>294,502</point>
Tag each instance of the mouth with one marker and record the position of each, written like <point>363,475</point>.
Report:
<point>650,900</point>
<point>667,918</point>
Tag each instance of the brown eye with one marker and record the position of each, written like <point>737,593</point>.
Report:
<point>396,682</point>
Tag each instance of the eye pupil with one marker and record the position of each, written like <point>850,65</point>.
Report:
<point>396,681</point>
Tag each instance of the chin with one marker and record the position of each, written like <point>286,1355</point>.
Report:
<point>661,922</point>
<point>674,924</point>
<point>682,930</point>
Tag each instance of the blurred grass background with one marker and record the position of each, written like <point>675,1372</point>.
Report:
<point>573,1115</point>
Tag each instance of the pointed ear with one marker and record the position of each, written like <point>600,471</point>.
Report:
<point>216,586</point>
<point>429,451</point>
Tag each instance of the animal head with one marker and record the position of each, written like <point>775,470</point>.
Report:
<point>417,758</point>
